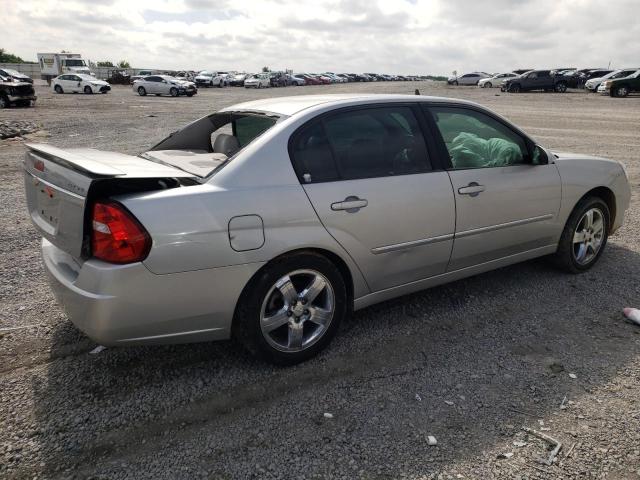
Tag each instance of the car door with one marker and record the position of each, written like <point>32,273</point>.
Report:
<point>75,83</point>
<point>507,196</point>
<point>367,173</point>
<point>152,84</point>
<point>68,84</point>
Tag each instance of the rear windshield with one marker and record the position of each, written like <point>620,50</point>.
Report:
<point>206,145</point>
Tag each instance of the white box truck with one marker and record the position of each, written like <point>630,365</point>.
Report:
<point>54,64</point>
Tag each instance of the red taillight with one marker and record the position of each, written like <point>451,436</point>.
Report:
<point>116,236</point>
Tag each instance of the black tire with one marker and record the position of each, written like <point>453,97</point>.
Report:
<point>565,257</point>
<point>221,84</point>
<point>4,101</point>
<point>246,323</point>
<point>173,91</point>
<point>189,94</point>
<point>142,91</point>
<point>515,88</point>
<point>58,89</point>
<point>87,90</point>
<point>487,85</point>
<point>560,87</point>
<point>211,83</point>
<point>621,91</point>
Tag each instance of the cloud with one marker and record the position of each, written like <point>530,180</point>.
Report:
<point>405,36</point>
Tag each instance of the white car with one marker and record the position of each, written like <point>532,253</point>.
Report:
<point>211,79</point>
<point>260,80</point>
<point>496,80</point>
<point>164,85</point>
<point>79,83</point>
<point>593,84</point>
<point>467,79</point>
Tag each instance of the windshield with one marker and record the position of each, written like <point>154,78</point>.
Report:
<point>88,78</point>
<point>73,62</point>
<point>206,145</point>
<point>15,73</point>
<point>205,74</point>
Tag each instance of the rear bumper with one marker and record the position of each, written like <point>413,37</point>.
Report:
<point>129,305</point>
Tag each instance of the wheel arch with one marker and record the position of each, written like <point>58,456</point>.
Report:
<point>607,195</point>
<point>334,258</point>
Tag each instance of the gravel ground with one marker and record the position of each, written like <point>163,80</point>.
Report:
<point>470,363</point>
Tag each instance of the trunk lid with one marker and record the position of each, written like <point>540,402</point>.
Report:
<point>60,185</point>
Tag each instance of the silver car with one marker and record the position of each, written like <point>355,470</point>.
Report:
<point>164,85</point>
<point>272,220</point>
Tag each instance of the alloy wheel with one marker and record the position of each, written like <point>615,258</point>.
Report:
<point>297,310</point>
<point>588,236</point>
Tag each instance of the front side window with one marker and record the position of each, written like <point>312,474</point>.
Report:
<point>476,140</point>
<point>366,143</point>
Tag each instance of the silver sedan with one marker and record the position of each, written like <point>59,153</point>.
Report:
<point>164,85</point>
<point>272,220</point>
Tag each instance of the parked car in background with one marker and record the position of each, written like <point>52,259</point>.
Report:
<point>335,206</point>
<point>79,83</point>
<point>295,81</point>
<point>309,79</point>
<point>13,75</point>
<point>467,79</point>
<point>621,87</point>
<point>259,80</point>
<point>209,79</point>
<point>238,79</point>
<point>12,92</point>
<point>496,80</point>
<point>278,79</point>
<point>164,85</point>
<point>593,83</point>
<point>536,80</point>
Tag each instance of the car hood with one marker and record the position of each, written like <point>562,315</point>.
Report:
<point>203,77</point>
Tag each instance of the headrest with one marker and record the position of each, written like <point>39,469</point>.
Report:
<point>227,144</point>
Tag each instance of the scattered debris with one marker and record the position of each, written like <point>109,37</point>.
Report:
<point>529,414</point>
<point>573,375</point>
<point>151,115</point>
<point>549,439</point>
<point>571,450</point>
<point>328,415</point>
<point>449,402</point>
<point>519,444</point>
<point>418,397</point>
<point>431,440</point>
<point>562,405</point>
<point>632,314</point>
<point>16,128</point>
<point>10,329</point>
<point>97,350</point>
<point>505,455</point>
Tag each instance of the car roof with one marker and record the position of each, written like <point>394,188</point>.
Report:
<point>292,105</point>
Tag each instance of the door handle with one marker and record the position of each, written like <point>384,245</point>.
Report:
<point>351,204</point>
<point>473,189</point>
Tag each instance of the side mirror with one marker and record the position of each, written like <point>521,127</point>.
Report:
<point>539,156</point>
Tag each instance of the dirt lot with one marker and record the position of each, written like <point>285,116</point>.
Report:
<point>469,363</point>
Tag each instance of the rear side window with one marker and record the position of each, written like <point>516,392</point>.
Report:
<point>365,143</point>
<point>476,140</point>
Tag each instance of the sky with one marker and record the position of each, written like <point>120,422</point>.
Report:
<point>392,36</point>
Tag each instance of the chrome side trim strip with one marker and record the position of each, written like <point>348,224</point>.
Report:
<point>414,243</point>
<point>500,226</point>
<point>168,335</point>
